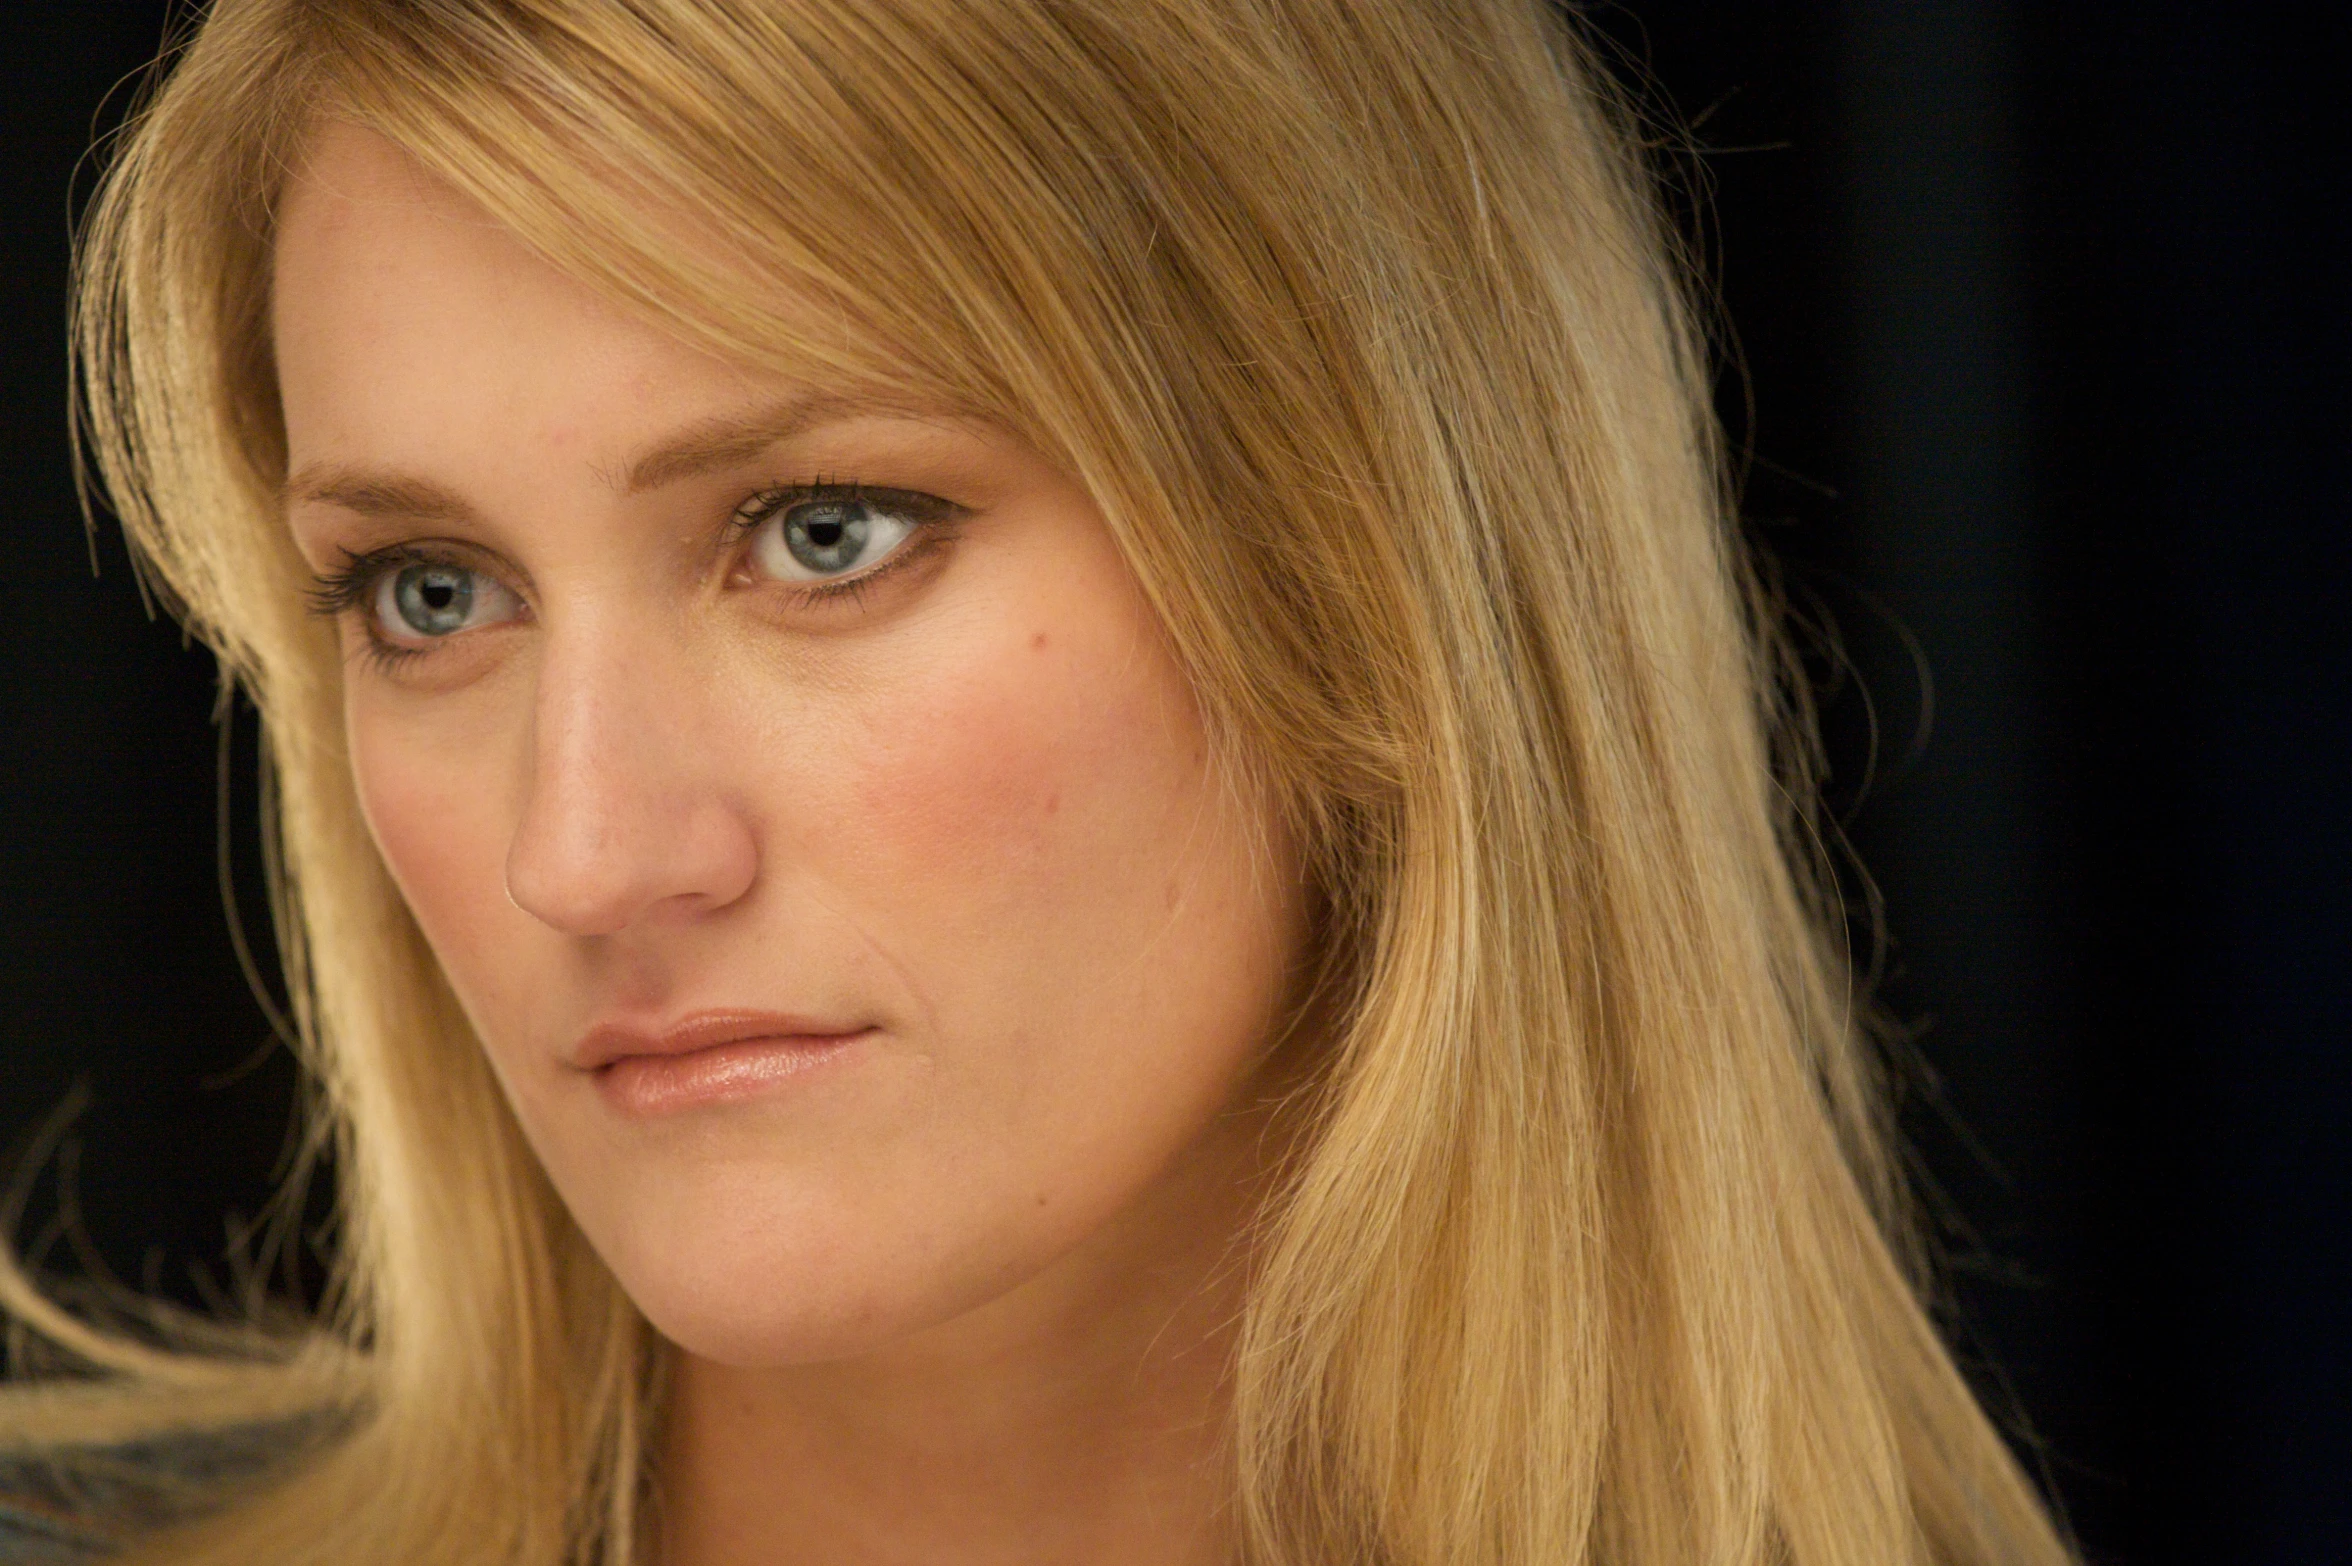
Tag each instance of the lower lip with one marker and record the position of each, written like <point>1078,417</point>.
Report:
<point>719,1074</point>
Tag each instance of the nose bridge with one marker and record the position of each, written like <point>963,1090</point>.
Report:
<point>623,814</point>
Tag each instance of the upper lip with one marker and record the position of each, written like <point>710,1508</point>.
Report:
<point>607,1042</point>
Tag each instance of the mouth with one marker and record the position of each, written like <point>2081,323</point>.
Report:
<point>708,1058</point>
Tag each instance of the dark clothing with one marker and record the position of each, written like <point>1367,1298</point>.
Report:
<point>64,1509</point>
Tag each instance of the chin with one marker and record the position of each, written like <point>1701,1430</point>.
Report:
<point>809,1284</point>
<point>768,1310</point>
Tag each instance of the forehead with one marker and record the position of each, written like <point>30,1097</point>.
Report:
<point>405,316</point>
<point>366,235</point>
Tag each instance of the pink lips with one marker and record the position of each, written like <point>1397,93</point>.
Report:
<point>711,1057</point>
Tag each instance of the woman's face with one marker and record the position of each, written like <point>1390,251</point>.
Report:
<point>800,796</point>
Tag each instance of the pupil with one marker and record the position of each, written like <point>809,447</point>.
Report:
<point>828,536</point>
<point>434,600</point>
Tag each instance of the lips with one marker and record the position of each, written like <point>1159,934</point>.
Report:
<point>709,1058</point>
<point>609,1042</point>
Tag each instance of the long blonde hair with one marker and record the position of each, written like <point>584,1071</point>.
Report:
<point>1359,323</point>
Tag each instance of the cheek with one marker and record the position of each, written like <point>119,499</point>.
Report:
<point>1038,804</point>
<point>1090,944</point>
<point>435,800</point>
<point>1091,941</point>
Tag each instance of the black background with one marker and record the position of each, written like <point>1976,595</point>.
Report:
<point>2043,315</point>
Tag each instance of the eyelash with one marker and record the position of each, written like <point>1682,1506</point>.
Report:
<point>930,514</point>
<point>352,585</point>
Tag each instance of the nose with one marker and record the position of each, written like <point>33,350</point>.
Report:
<point>626,819</point>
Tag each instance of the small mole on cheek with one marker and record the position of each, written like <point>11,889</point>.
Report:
<point>1037,642</point>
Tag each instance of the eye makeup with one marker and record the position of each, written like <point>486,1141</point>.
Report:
<point>811,543</point>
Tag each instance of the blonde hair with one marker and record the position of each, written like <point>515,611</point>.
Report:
<point>1359,324</point>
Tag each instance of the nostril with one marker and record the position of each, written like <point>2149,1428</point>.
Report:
<point>584,849</point>
<point>603,865</point>
<point>566,893</point>
<point>626,809</point>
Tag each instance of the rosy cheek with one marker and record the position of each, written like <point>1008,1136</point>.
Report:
<point>1018,780</point>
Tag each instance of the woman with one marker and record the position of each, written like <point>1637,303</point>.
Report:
<point>1027,807</point>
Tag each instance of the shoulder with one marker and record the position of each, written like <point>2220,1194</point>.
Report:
<point>80,1505</point>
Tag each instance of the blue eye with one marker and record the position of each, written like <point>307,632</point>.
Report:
<point>431,600</point>
<point>831,537</point>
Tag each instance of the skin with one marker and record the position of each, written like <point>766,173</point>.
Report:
<point>963,1292</point>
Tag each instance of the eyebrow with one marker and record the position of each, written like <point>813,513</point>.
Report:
<point>372,493</point>
<point>730,441</point>
<point>707,446</point>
